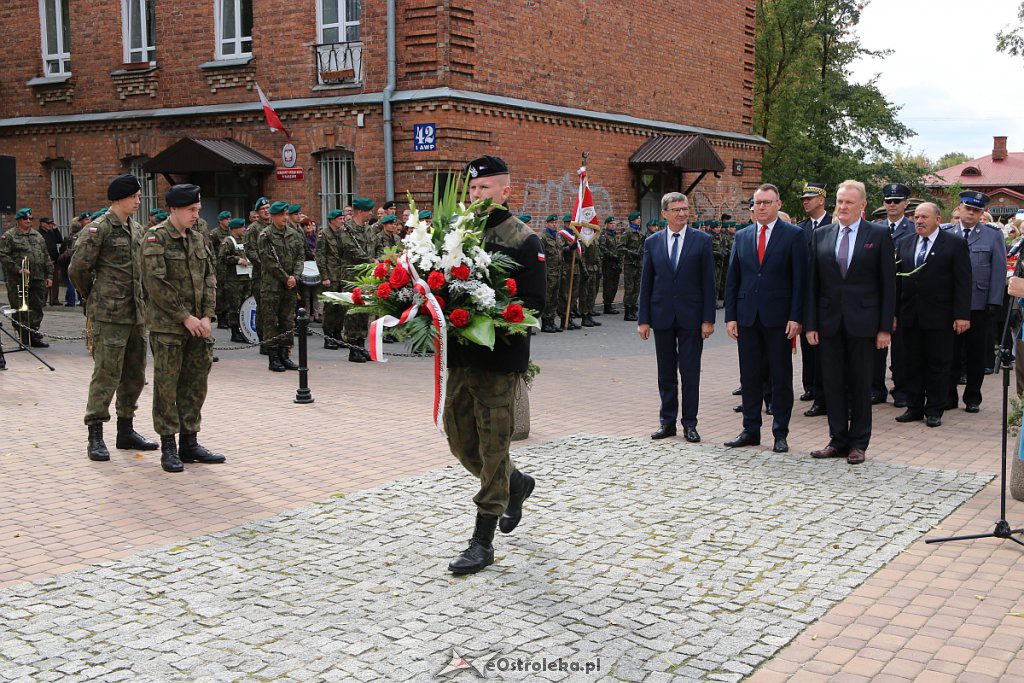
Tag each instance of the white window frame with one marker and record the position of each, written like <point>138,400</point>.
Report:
<point>62,195</point>
<point>147,53</point>
<point>61,59</point>
<point>238,39</point>
<point>343,23</point>
<point>337,181</point>
<point>148,194</point>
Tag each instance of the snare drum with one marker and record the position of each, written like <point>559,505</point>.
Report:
<point>247,320</point>
<point>310,274</point>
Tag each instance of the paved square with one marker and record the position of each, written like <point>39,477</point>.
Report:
<point>655,560</point>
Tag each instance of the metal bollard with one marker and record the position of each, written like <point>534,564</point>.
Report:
<point>302,394</point>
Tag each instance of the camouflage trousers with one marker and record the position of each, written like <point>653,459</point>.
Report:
<point>181,366</point>
<point>554,275</point>
<point>611,271</point>
<point>233,294</point>
<point>278,308</point>
<point>563,295</point>
<point>334,314</point>
<point>36,299</point>
<point>478,414</point>
<point>356,326</point>
<point>118,366</point>
<point>588,289</point>
<point>631,282</point>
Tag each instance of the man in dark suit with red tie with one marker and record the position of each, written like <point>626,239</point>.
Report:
<point>850,313</point>
<point>677,301</point>
<point>764,309</point>
<point>933,305</point>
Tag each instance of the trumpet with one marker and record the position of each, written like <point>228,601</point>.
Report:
<point>24,285</point>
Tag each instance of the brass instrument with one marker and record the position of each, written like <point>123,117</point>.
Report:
<point>24,285</point>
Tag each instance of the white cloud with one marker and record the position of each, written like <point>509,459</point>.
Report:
<point>955,90</point>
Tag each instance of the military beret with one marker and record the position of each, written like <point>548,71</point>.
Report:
<point>650,223</point>
<point>390,218</point>
<point>96,214</point>
<point>633,216</point>
<point>83,215</point>
<point>362,204</point>
<point>610,219</point>
<point>278,207</point>
<point>260,203</point>
<point>700,224</point>
<point>662,223</point>
<point>895,191</point>
<point>974,199</point>
<point>525,218</point>
<point>425,214</point>
<point>223,214</point>
<point>123,186</point>
<point>485,166</point>
<point>294,208</point>
<point>390,204</point>
<point>566,218</point>
<point>182,195</point>
<point>336,213</point>
<point>236,223</point>
<point>153,212</point>
<point>813,190</point>
<point>162,216</point>
<point>552,217</point>
<point>24,213</point>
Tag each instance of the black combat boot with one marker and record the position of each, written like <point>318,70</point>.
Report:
<point>264,351</point>
<point>571,326</point>
<point>130,439</point>
<point>520,486</point>
<point>356,352</point>
<point>548,325</point>
<point>480,552</point>
<point>329,342</point>
<point>3,361</point>
<point>192,451</point>
<point>630,313</point>
<point>286,362</point>
<point>610,309</point>
<point>587,321</point>
<point>37,341</point>
<point>222,324</point>
<point>169,459</point>
<point>97,450</point>
<point>594,313</point>
<point>237,336</point>
<point>274,362</point>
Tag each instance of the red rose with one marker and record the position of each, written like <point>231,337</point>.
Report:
<point>435,280</point>
<point>425,309</point>
<point>459,317</point>
<point>399,277</point>
<point>513,313</point>
<point>512,287</point>
<point>381,271</point>
<point>460,272</point>
<point>357,296</point>
<point>383,291</point>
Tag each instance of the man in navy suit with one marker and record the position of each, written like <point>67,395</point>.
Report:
<point>677,301</point>
<point>764,308</point>
<point>813,199</point>
<point>850,313</point>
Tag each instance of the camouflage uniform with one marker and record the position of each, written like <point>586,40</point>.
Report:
<point>330,261</point>
<point>721,252</point>
<point>178,273</point>
<point>251,253</point>
<point>591,277</point>
<point>15,245</point>
<point>385,240</point>
<point>233,287</point>
<point>217,236</point>
<point>632,249</point>
<point>106,269</point>
<point>281,255</point>
<point>568,254</point>
<point>553,244</point>
<point>611,268</point>
<point>357,249</point>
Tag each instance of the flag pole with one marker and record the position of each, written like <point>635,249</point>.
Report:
<point>568,305</point>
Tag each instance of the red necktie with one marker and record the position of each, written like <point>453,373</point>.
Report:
<point>762,240</point>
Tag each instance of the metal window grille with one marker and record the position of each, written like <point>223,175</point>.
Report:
<point>139,30</point>
<point>234,28</point>
<point>337,182</point>
<point>148,194</point>
<point>62,195</point>
<point>56,37</point>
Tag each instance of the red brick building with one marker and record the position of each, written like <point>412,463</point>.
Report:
<point>91,90</point>
<point>1000,175</point>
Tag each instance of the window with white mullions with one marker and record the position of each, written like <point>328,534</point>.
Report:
<point>62,195</point>
<point>337,182</point>
<point>234,28</point>
<point>139,26</point>
<point>339,20</point>
<point>55,36</point>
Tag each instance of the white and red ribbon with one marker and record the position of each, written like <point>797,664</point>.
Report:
<point>377,327</point>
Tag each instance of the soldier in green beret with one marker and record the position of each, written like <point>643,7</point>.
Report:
<point>252,233</point>
<point>388,236</point>
<point>590,273</point>
<point>281,251</point>
<point>154,217</point>
<point>217,235</point>
<point>611,264</point>
<point>357,248</point>
<point>15,246</point>
<point>632,249</point>
<point>572,266</point>
<point>526,219</point>
<point>554,246</point>
<point>235,281</point>
<point>330,261</point>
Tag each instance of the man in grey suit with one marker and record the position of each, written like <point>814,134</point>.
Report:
<point>988,278</point>
<point>896,197</point>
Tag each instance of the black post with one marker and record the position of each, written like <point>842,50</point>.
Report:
<point>302,394</point>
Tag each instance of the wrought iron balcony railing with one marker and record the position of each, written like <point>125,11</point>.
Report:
<point>339,63</point>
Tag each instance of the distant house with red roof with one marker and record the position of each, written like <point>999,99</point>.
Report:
<point>1000,175</point>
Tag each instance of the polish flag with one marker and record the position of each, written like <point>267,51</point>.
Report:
<point>272,118</point>
<point>584,211</point>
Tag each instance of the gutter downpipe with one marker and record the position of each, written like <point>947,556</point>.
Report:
<point>389,89</point>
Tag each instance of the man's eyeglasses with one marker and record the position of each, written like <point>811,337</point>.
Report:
<point>678,209</point>
<point>893,201</point>
<point>764,202</point>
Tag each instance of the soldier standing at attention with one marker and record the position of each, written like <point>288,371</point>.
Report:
<point>331,264</point>
<point>388,236</point>
<point>179,279</point>
<point>235,286</point>
<point>15,246</point>
<point>281,251</point>
<point>553,245</point>
<point>591,275</point>
<point>481,382</point>
<point>217,236</point>
<point>611,265</point>
<point>632,249</point>
<point>262,209</point>
<point>357,248</point>
<point>106,268</point>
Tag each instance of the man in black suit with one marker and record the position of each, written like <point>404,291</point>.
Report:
<point>850,313</point>
<point>764,308</point>
<point>896,197</point>
<point>933,304</point>
<point>677,301</point>
<point>813,200</point>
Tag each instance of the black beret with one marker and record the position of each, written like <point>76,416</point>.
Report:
<point>123,186</point>
<point>182,195</point>
<point>486,166</point>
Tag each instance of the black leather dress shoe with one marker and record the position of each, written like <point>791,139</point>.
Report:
<point>815,411</point>
<point>691,434</point>
<point>877,399</point>
<point>781,445</point>
<point>664,431</point>
<point>899,403</point>
<point>807,396</point>
<point>910,416</point>
<point>744,439</point>
<point>738,409</point>
<point>737,391</point>
<point>768,409</point>
<point>972,408</point>
<point>933,421</point>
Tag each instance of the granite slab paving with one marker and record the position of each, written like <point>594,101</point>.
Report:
<point>645,561</point>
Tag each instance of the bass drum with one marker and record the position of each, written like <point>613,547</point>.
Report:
<point>247,320</point>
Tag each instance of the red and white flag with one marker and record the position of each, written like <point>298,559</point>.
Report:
<point>273,120</point>
<point>584,211</point>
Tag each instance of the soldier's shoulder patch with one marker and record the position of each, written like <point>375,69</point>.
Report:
<point>151,238</point>
<point>93,229</point>
<point>541,257</point>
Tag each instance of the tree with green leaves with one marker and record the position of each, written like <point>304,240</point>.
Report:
<point>951,159</point>
<point>1011,39</point>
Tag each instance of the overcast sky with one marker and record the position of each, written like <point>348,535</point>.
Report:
<point>955,90</point>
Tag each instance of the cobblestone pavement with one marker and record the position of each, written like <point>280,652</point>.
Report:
<point>654,561</point>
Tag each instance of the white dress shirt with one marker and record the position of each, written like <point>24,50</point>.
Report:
<point>931,243</point>
<point>669,239</point>
<point>854,227</point>
<point>767,233</point>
